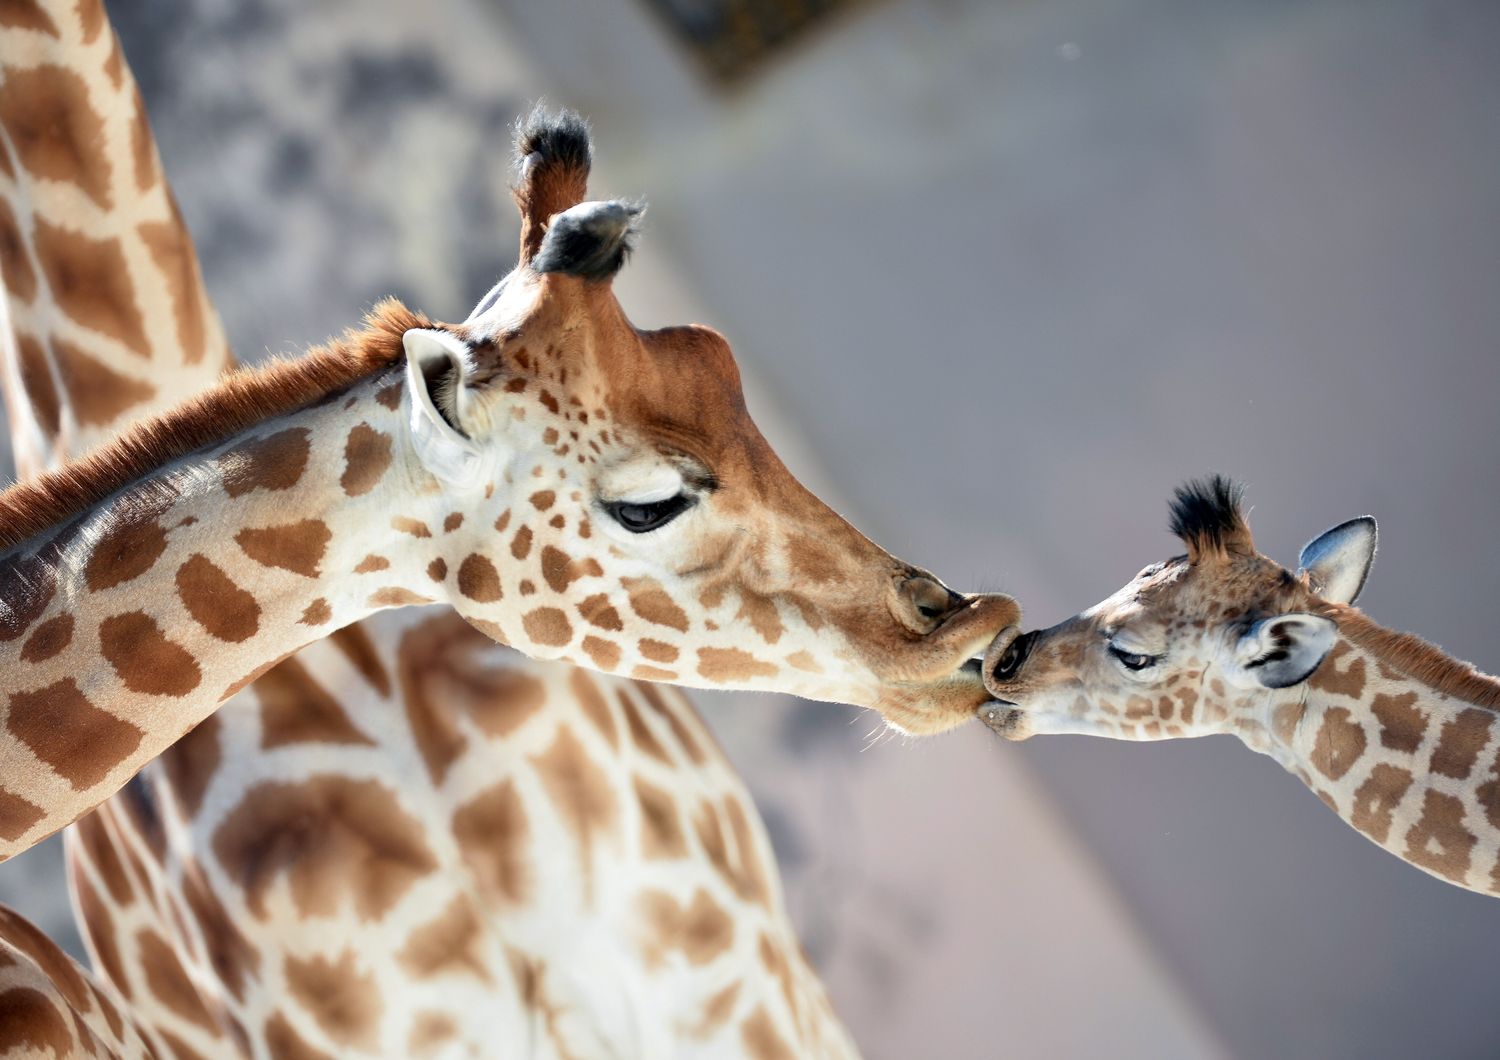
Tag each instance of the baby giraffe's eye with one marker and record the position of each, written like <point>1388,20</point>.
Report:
<point>643,518</point>
<point>1132,661</point>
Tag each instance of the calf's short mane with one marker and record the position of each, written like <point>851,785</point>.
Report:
<point>241,399</point>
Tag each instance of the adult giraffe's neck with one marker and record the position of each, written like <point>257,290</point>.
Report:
<point>1402,742</point>
<point>123,627</point>
<point>108,319</point>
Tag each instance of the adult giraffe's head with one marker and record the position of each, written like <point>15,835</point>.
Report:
<point>633,517</point>
<point>1199,643</point>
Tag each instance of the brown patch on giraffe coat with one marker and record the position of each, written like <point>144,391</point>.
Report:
<point>502,700</point>
<point>191,763</point>
<point>27,585</point>
<point>404,524</point>
<point>97,394</point>
<point>1377,798</point>
<point>316,613</point>
<point>372,563</point>
<point>284,1043</point>
<point>1402,723</point>
<point>274,462</point>
<point>142,145</point>
<point>1462,738</point>
<point>56,133</point>
<point>547,626</point>
<point>215,601</point>
<point>430,1031</point>
<point>1329,678</point>
<point>342,998</point>
<point>640,733</point>
<point>541,500</point>
<point>177,1048</point>
<point>732,664</point>
<point>1402,655</point>
<point>297,547</point>
<point>101,932</point>
<point>776,962</point>
<point>493,833</point>
<point>434,667</point>
<point>762,1041</point>
<point>661,826</point>
<point>743,872</point>
<point>367,457</point>
<point>447,945</point>
<point>452,521</point>
<point>396,596</point>
<point>233,959</point>
<point>596,611</point>
<point>390,396</point>
<point>91,284</point>
<point>332,837</point>
<point>1340,743</point>
<point>649,600</point>
<point>80,742</point>
<point>701,931</point>
<point>716,1012</point>
<point>51,637</point>
<point>124,552</point>
<point>56,965</point>
<point>1439,842</point>
<point>520,545</point>
<point>294,708</point>
<point>144,658</point>
<point>595,707</point>
<point>37,386</point>
<point>355,645</point>
<point>172,250</point>
<point>27,14</point>
<point>657,651</point>
<point>560,571</point>
<point>602,653</point>
<point>99,848</point>
<point>761,613</point>
<point>17,815</point>
<point>30,1021</point>
<point>685,738</point>
<point>580,791</point>
<point>168,981</point>
<point>478,579</point>
<point>15,268</point>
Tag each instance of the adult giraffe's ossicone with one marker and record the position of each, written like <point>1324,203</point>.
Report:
<point>575,487</point>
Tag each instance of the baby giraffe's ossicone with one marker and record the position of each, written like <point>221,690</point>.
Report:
<point>1396,737</point>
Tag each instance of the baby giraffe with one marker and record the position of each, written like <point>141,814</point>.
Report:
<point>1396,737</point>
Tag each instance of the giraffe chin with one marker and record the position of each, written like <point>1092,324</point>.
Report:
<point>936,707</point>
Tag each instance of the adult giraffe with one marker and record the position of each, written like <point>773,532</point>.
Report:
<point>673,816</point>
<point>1397,738</point>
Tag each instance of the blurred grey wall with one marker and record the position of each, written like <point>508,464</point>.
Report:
<point>1003,274</point>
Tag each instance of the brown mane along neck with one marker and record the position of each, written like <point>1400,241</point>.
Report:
<point>1418,659</point>
<point>241,399</point>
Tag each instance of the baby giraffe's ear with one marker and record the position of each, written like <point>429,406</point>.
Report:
<point>437,363</point>
<point>1281,651</point>
<point>1337,562</point>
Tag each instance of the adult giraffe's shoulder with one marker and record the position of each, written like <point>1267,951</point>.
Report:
<point>1399,739</point>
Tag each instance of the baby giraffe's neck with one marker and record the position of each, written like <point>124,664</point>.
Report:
<point>1401,741</point>
<point>123,627</point>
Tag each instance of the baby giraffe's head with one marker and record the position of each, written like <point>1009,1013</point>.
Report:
<point>1192,645</point>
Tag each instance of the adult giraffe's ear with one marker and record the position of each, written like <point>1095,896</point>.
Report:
<point>1337,562</point>
<point>437,364</point>
<point>1280,651</point>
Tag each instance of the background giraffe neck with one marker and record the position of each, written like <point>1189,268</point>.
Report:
<point>108,320</point>
<point>1412,762</point>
